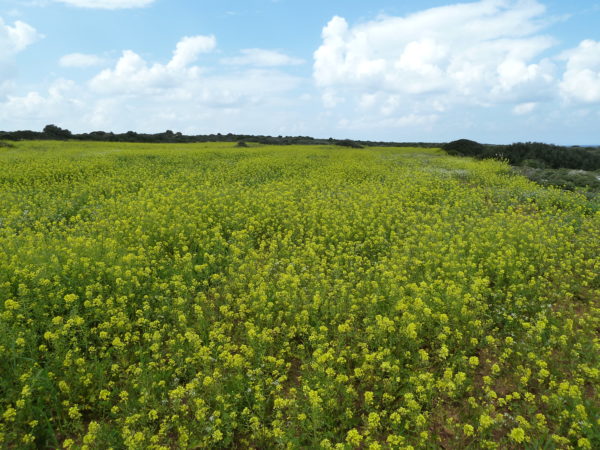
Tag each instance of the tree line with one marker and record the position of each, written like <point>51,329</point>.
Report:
<point>53,132</point>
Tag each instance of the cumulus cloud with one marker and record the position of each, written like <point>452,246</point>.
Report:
<point>81,60</point>
<point>189,48</point>
<point>62,101</point>
<point>132,74</point>
<point>178,94</point>
<point>581,80</point>
<point>16,38</point>
<point>107,4</point>
<point>476,53</point>
<point>13,39</point>
<point>262,58</point>
<point>181,80</point>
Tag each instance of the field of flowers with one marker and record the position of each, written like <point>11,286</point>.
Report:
<point>192,296</point>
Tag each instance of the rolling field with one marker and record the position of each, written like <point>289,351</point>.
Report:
<point>192,296</point>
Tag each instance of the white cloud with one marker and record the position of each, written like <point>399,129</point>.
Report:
<point>581,81</point>
<point>63,99</point>
<point>179,81</point>
<point>524,108</point>
<point>423,121</point>
<point>108,4</point>
<point>236,102</point>
<point>189,48</point>
<point>330,100</point>
<point>262,58</point>
<point>81,60</point>
<point>151,96</point>
<point>16,38</point>
<point>475,53</point>
<point>133,75</point>
<point>13,39</point>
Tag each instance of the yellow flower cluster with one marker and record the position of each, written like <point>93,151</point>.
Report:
<point>206,296</point>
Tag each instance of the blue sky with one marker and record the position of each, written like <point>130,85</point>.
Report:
<point>492,70</point>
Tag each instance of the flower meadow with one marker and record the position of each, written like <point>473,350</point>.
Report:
<point>207,296</point>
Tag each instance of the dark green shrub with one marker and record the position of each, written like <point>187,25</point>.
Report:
<point>464,147</point>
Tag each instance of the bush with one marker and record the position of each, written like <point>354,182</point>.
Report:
<point>348,143</point>
<point>464,147</point>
